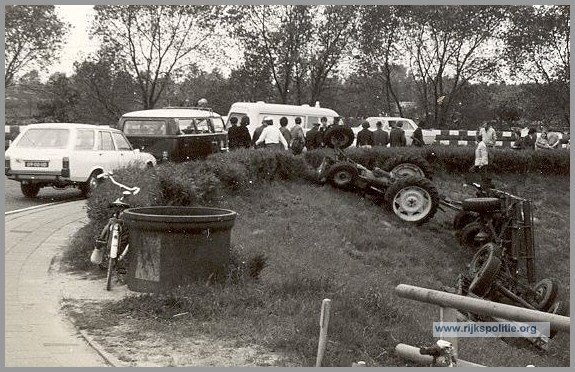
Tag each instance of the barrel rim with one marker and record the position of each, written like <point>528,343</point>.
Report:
<point>218,214</point>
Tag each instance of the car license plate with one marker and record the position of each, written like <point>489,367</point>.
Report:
<point>36,164</point>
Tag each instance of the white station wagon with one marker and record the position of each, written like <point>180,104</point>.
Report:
<point>68,155</point>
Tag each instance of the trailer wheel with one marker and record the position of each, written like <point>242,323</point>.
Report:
<point>484,268</point>
<point>338,136</point>
<point>545,293</point>
<point>413,199</point>
<point>405,165</point>
<point>463,218</point>
<point>472,236</point>
<point>342,175</point>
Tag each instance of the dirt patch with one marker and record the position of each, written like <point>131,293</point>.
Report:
<point>83,299</point>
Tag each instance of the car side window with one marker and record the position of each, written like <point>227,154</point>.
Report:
<point>105,142</point>
<point>405,125</point>
<point>121,143</point>
<point>84,139</point>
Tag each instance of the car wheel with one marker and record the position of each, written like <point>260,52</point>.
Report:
<point>412,199</point>
<point>338,136</point>
<point>30,190</point>
<point>545,293</point>
<point>87,187</point>
<point>473,236</point>
<point>484,268</point>
<point>343,175</point>
<point>404,165</point>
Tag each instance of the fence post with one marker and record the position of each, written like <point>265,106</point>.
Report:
<point>323,324</point>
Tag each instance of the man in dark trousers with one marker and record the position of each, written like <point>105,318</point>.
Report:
<point>313,138</point>
<point>396,136</point>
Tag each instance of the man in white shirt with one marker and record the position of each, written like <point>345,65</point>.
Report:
<point>271,136</point>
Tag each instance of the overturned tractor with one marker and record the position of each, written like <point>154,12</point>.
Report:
<point>403,181</point>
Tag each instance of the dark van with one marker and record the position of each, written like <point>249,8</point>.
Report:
<point>175,133</point>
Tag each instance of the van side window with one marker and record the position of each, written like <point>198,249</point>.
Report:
<point>84,139</point>
<point>105,142</point>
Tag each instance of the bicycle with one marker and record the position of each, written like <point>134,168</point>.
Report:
<point>114,235</point>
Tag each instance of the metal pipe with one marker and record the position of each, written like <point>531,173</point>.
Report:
<point>482,307</point>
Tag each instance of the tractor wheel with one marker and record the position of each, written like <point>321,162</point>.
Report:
<point>30,190</point>
<point>484,268</point>
<point>463,218</point>
<point>342,175</point>
<point>486,205</point>
<point>404,165</point>
<point>413,199</point>
<point>472,236</point>
<point>545,293</point>
<point>338,136</point>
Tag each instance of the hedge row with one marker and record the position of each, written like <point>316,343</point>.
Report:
<point>206,182</point>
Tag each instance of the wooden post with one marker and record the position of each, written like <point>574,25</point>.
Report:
<point>323,324</point>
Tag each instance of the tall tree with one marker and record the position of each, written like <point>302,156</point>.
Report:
<point>450,46</point>
<point>33,38</point>
<point>538,49</point>
<point>157,43</point>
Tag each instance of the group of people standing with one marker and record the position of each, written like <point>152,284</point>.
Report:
<point>269,136</point>
<point>380,137</point>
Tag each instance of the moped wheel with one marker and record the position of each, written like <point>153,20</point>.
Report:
<point>484,268</point>
<point>413,199</point>
<point>545,293</point>
<point>473,236</point>
<point>343,175</point>
<point>463,218</point>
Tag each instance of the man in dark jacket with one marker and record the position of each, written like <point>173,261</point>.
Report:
<point>380,137</point>
<point>233,134</point>
<point>364,136</point>
<point>396,136</point>
<point>244,138</point>
<point>313,138</point>
<point>259,131</point>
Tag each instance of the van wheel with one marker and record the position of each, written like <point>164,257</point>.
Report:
<point>30,190</point>
<point>87,187</point>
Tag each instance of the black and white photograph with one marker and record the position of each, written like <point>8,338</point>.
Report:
<point>287,185</point>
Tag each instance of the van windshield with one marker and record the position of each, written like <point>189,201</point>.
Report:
<point>144,127</point>
<point>46,138</point>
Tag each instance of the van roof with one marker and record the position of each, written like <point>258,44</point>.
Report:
<point>171,112</point>
<point>386,118</point>
<point>67,126</point>
<point>278,108</point>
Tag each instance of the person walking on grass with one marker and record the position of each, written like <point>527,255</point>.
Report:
<point>481,163</point>
<point>380,137</point>
<point>271,137</point>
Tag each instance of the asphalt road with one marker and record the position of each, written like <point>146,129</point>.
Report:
<point>13,198</point>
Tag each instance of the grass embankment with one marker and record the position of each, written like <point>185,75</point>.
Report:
<point>320,242</point>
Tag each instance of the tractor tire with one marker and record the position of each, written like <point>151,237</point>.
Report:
<point>338,136</point>
<point>485,205</point>
<point>342,175</point>
<point>484,268</point>
<point>463,218</point>
<point>545,293</point>
<point>405,165</point>
<point>30,190</point>
<point>413,199</point>
<point>468,236</point>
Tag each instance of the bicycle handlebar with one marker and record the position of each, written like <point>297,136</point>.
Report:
<point>133,190</point>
